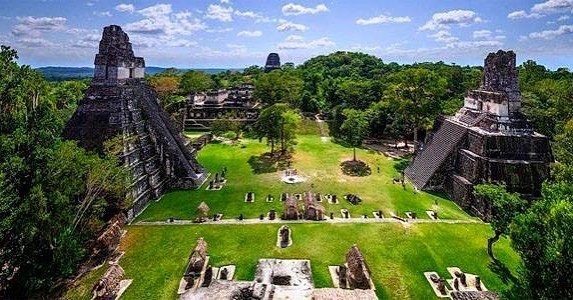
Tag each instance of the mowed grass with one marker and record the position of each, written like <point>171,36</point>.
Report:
<point>315,158</point>
<point>156,256</point>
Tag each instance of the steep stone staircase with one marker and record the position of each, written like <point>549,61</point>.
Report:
<point>441,146</point>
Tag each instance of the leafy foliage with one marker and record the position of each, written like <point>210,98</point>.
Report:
<point>504,208</point>
<point>45,183</point>
<point>542,237</point>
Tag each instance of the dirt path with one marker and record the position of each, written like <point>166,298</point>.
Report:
<point>323,132</point>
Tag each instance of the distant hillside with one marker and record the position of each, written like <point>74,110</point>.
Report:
<point>65,73</point>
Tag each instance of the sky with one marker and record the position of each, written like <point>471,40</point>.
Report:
<point>240,33</point>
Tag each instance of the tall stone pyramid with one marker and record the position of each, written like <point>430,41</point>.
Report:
<point>120,103</point>
<point>488,140</point>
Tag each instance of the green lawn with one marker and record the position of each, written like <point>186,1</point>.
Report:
<point>397,256</point>
<point>315,158</point>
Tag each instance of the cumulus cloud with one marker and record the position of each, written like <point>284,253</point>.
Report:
<point>552,6</point>
<point>35,42</point>
<point>90,41</point>
<point>551,34</point>
<point>443,20</point>
<point>522,14</point>
<point>123,7</point>
<point>444,36</point>
<point>298,42</point>
<point>475,44</point>
<point>160,19</point>
<point>285,25</point>
<point>102,13</point>
<point>292,9</point>
<point>246,33</point>
<point>253,15</point>
<point>33,27</point>
<point>383,19</point>
<point>218,12</point>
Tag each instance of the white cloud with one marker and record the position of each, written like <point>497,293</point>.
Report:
<point>294,38</point>
<point>522,14</point>
<point>160,19</point>
<point>253,15</point>
<point>142,41</point>
<point>123,7</point>
<point>551,34</point>
<point>444,36</point>
<point>245,33</point>
<point>102,13</point>
<point>218,12</point>
<point>383,19</point>
<point>285,25</point>
<point>33,27</point>
<point>297,42</point>
<point>156,11</point>
<point>225,1</point>
<point>292,9</point>
<point>563,18</point>
<point>443,20</point>
<point>552,6</point>
<point>35,42</point>
<point>482,34</point>
<point>219,30</point>
<point>475,44</point>
<point>90,41</point>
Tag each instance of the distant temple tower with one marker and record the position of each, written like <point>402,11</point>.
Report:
<point>273,62</point>
<point>120,103</point>
<point>488,140</point>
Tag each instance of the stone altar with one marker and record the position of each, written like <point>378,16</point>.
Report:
<point>120,103</point>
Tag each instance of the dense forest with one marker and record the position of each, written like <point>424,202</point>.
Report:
<point>55,197</point>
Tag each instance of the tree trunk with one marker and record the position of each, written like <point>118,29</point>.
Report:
<point>283,148</point>
<point>416,140</point>
<point>490,243</point>
<point>354,150</point>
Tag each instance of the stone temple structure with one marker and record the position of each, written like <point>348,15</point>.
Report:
<point>119,103</point>
<point>488,140</point>
<point>273,62</point>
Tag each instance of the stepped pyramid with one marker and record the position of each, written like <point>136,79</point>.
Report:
<point>120,103</point>
<point>488,140</point>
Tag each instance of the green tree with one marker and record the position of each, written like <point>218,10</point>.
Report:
<point>54,196</point>
<point>226,124</point>
<point>542,237</point>
<point>419,92</point>
<point>504,208</point>
<point>279,87</point>
<point>354,128</point>
<point>277,123</point>
<point>194,82</point>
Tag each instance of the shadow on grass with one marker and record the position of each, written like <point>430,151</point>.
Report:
<point>515,288</point>
<point>269,162</point>
<point>401,164</point>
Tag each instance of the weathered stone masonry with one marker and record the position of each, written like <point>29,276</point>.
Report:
<point>120,103</point>
<point>488,140</point>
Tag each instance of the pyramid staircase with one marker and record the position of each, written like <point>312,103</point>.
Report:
<point>442,146</point>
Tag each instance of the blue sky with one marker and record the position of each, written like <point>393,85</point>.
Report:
<point>239,33</point>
